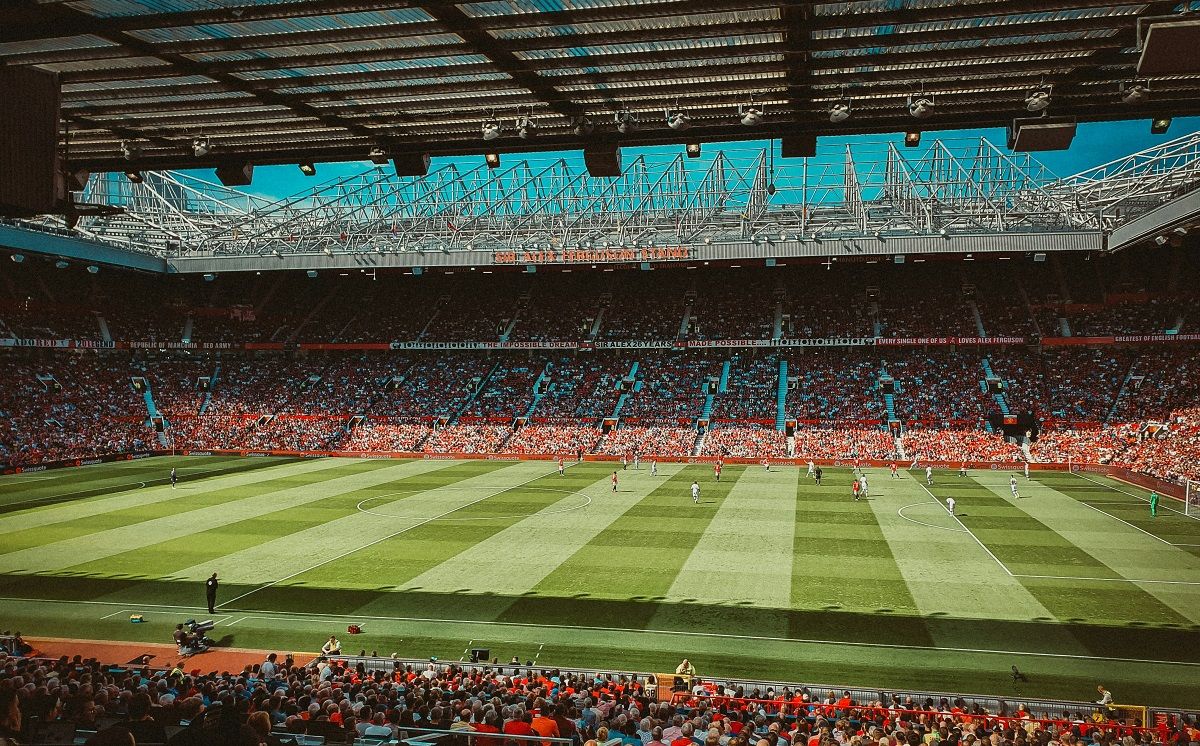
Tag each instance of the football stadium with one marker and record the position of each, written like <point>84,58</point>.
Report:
<point>600,372</point>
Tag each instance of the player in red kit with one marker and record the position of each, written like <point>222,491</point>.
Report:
<point>614,481</point>
<point>894,475</point>
<point>560,466</point>
<point>717,471</point>
<point>855,488</point>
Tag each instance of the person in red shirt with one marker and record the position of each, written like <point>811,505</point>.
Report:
<point>544,725</point>
<point>614,481</point>
<point>717,471</point>
<point>560,466</point>
<point>894,475</point>
<point>855,488</point>
<point>519,727</point>
<point>490,724</point>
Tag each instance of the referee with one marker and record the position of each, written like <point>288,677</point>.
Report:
<point>210,590</point>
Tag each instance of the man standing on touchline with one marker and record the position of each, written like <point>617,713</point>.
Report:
<point>210,590</point>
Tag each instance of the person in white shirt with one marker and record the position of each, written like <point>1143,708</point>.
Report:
<point>862,485</point>
<point>695,492</point>
<point>1027,470</point>
<point>654,467</point>
<point>1106,698</point>
<point>810,468</point>
<point>332,647</point>
<point>950,505</point>
<point>1012,484</point>
<point>928,475</point>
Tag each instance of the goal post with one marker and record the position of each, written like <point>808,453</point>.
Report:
<point>1191,498</point>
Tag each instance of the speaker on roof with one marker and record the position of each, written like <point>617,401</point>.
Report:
<point>1168,45</point>
<point>603,160</point>
<point>1041,133</point>
<point>411,164</point>
<point>798,146</point>
<point>235,174</point>
<point>30,182</point>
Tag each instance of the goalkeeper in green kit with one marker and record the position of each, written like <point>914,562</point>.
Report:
<point>1153,504</point>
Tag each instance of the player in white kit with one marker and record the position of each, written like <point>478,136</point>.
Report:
<point>695,492</point>
<point>928,475</point>
<point>1012,485</point>
<point>950,505</point>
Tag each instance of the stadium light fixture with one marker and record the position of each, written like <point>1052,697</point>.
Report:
<point>751,114</point>
<point>692,149</point>
<point>93,269</point>
<point>912,138</point>
<point>1180,231</point>
<point>312,273</point>
<point>840,111</point>
<point>492,160</point>
<point>1038,99</point>
<point>526,127</point>
<point>308,169</point>
<point>491,128</point>
<point>1135,92</point>
<point>201,146</point>
<point>135,177</point>
<point>921,107</point>
<point>626,122</point>
<point>1160,125</point>
<point>1161,240</point>
<point>18,258</point>
<point>582,126</point>
<point>678,120</point>
<point>131,150</point>
<point>378,156</point>
<point>62,264</point>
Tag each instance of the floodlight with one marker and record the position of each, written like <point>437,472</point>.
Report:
<point>1038,99</point>
<point>920,107</point>
<point>582,126</point>
<point>18,258</point>
<point>751,114</point>
<point>378,156</point>
<point>308,169</point>
<point>626,122</point>
<point>526,128</point>
<point>492,160</point>
<point>135,177</point>
<point>93,269</point>
<point>840,111</point>
<point>201,146</point>
<point>912,138</point>
<point>692,149</point>
<point>491,128</point>
<point>62,264</point>
<point>678,119</point>
<point>1160,125</point>
<point>1135,92</point>
<point>130,150</point>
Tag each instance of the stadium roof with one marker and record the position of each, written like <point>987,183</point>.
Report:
<point>285,81</point>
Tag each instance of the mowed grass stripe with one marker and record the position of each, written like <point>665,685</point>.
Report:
<point>86,508</point>
<point>950,579</point>
<point>719,571</point>
<point>367,556</point>
<point>246,553</point>
<point>51,481</point>
<point>1170,525</point>
<point>618,578</point>
<point>1130,553</point>
<point>164,503</point>
<point>545,539</point>
<point>842,561</point>
<point>209,510</point>
<point>73,484</point>
<point>1029,547</point>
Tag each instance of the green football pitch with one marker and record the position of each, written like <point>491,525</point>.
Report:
<point>768,576</point>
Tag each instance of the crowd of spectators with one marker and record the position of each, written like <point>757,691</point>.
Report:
<point>342,702</point>
<point>753,441</point>
<point>833,386</point>
<point>384,434</point>
<point>956,445</point>
<point>509,392</point>
<point>751,391</point>
<point>1095,445</point>
<point>648,440</point>
<point>467,438</point>
<point>849,442</point>
<point>565,440</point>
<point>585,389</point>
<point>672,387</point>
<point>939,387</point>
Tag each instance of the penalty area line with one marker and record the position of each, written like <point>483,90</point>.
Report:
<point>983,546</point>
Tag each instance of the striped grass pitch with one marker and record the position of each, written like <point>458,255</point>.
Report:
<point>768,576</point>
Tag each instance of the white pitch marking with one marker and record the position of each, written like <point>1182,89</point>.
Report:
<point>285,616</point>
<point>900,512</point>
<point>1137,497</point>
<point>969,531</point>
<point>1127,523</point>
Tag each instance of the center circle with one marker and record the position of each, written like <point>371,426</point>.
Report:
<point>587,500</point>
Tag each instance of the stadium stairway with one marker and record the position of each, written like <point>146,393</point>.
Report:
<point>313,313</point>
<point>990,375</point>
<point>212,384</point>
<point>686,320</point>
<point>781,396</point>
<point>483,384</point>
<point>1112,410</point>
<point>188,325</point>
<point>723,386</point>
<point>979,328</point>
<point>777,323</point>
<point>698,443</point>
<point>889,403</point>
<point>538,389</point>
<point>624,397</point>
<point>105,334</point>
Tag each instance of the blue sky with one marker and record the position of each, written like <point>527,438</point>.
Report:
<point>1095,143</point>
